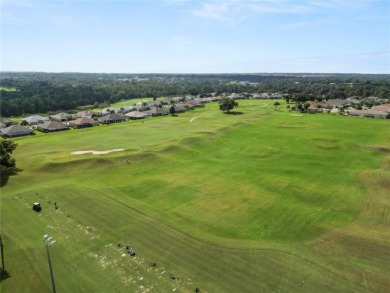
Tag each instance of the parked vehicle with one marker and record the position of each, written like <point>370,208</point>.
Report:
<point>37,207</point>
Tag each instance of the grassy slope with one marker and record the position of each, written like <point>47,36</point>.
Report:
<point>229,203</point>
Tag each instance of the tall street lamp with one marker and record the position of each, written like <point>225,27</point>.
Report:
<point>2,254</point>
<point>49,242</point>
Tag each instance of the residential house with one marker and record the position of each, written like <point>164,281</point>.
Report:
<point>104,111</point>
<point>157,111</point>
<point>383,107</point>
<point>61,117</point>
<point>275,96</point>
<point>83,123</point>
<point>179,109</point>
<point>207,100</point>
<point>127,109</point>
<point>4,122</point>
<point>35,120</point>
<point>87,114</point>
<point>373,99</point>
<point>107,111</point>
<point>352,101</point>
<point>314,108</point>
<point>52,126</point>
<point>186,105</point>
<point>261,96</point>
<point>136,115</point>
<point>15,130</point>
<point>370,113</point>
<point>196,102</point>
<point>155,103</point>
<point>236,96</point>
<point>112,118</point>
<point>335,103</point>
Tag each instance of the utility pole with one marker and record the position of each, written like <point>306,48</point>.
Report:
<point>2,255</point>
<point>49,242</point>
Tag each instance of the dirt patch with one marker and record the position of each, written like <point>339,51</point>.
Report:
<point>96,152</point>
<point>380,148</point>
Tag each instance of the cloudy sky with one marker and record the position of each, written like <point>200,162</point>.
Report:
<point>180,36</point>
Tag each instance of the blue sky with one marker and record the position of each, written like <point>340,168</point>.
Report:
<point>179,36</point>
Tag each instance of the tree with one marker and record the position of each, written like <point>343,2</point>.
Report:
<point>301,98</point>
<point>276,104</point>
<point>172,110</point>
<point>227,105</point>
<point>7,163</point>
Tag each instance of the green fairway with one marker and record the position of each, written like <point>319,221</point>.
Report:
<point>256,201</point>
<point>8,89</point>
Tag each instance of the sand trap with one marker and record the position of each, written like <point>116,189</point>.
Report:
<point>96,152</point>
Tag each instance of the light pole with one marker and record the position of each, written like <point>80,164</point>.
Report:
<point>2,255</point>
<point>49,242</point>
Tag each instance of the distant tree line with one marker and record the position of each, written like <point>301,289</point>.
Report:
<point>53,92</point>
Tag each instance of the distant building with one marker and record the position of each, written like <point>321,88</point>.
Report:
<point>61,117</point>
<point>52,126</point>
<point>83,123</point>
<point>35,120</point>
<point>370,113</point>
<point>112,118</point>
<point>15,130</point>
<point>87,114</point>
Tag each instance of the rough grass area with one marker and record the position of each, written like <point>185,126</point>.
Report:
<point>259,202</point>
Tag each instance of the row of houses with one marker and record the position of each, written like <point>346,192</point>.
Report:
<point>181,104</point>
<point>381,111</point>
<point>60,117</point>
<point>65,121</point>
<point>141,110</point>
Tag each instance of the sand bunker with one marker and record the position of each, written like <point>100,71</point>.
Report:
<point>96,152</point>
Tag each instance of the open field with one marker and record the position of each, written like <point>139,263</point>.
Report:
<point>8,89</point>
<point>262,201</point>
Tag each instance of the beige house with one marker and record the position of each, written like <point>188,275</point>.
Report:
<point>83,123</point>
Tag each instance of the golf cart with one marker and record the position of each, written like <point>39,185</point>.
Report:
<point>37,207</point>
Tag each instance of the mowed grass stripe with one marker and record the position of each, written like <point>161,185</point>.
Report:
<point>260,180</point>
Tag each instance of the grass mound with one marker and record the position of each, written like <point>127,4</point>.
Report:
<point>226,203</point>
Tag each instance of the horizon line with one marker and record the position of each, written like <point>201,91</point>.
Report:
<point>190,73</point>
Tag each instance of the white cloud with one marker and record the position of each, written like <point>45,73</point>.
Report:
<point>234,9</point>
<point>214,10</point>
<point>279,7</point>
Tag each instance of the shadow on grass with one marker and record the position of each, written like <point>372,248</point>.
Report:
<point>5,174</point>
<point>233,113</point>
<point>4,275</point>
